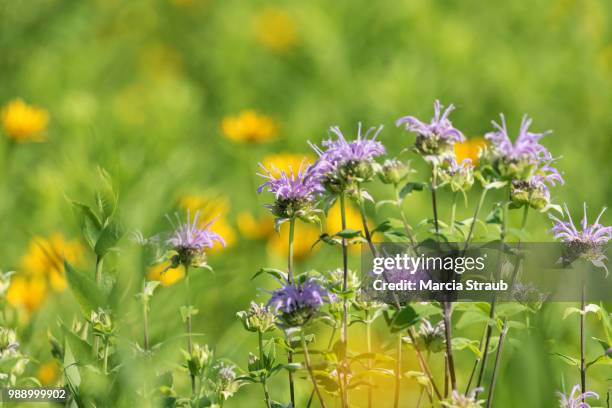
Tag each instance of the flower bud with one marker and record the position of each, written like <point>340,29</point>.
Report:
<point>394,171</point>
<point>257,318</point>
<point>430,337</point>
<point>459,176</point>
<point>532,193</point>
<point>101,322</point>
<point>198,360</point>
<point>8,342</point>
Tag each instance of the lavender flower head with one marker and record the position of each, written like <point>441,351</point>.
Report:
<point>296,303</point>
<point>435,138</point>
<point>586,243</point>
<point>295,192</point>
<point>190,241</point>
<point>575,398</point>
<point>523,158</point>
<point>342,163</point>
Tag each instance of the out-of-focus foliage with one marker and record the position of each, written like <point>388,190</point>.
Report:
<point>180,99</point>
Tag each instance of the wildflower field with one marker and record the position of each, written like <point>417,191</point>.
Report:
<point>189,188</point>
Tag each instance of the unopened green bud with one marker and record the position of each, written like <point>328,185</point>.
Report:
<point>257,318</point>
<point>394,171</point>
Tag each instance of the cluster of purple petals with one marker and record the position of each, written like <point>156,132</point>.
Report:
<point>439,126</point>
<point>526,147</point>
<point>454,167</point>
<point>341,151</point>
<point>191,236</point>
<point>575,398</point>
<point>290,185</point>
<point>292,297</point>
<point>594,234</point>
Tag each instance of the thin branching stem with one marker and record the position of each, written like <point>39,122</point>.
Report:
<point>290,279</point>
<point>398,371</point>
<point>264,381</point>
<point>310,372</point>
<point>344,336</point>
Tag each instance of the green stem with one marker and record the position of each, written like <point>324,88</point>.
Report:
<point>290,255</point>
<point>145,321</point>
<point>189,324</point>
<point>447,305</point>
<point>453,212</point>
<point>290,279</point>
<point>105,366</point>
<point>500,347</point>
<point>344,335</point>
<point>98,274</point>
<point>310,372</point>
<point>475,218</point>
<point>364,221</point>
<point>369,350</point>
<point>263,378</point>
<point>398,203</point>
<point>582,342</point>
<point>398,371</point>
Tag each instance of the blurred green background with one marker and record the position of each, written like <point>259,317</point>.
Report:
<point>180,99</point>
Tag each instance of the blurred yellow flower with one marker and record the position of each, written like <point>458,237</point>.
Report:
<point>45,257</point>
<point>24,123</point>
<point>166,276</point>
<point>470,149</point>
<point>48,373</point>
<point>28,292</point>
<point>305,236</point>
<point>284,161</point>
<point>249,126</point>
<point>275,29</point>
<point>211,208</point>
<point>251,228</point>
<point>333,222</point>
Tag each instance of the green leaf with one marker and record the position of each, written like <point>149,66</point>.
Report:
<point>84,289</point>
<point>109,236</point>
<point>567,359</point>
<point>348,233</point>
<point>277,273</point>
<point>410,187</point>
<point>81,349</point>
<point>88,221</point>
<point>403,319</point>
<point>382,227</point>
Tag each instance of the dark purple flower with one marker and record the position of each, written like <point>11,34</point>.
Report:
<point>439,127</point>
<point>296,303</point>
<point>594,234</point>
<point>190,240</point>
<point>343,162</point>
<point>575,398</point>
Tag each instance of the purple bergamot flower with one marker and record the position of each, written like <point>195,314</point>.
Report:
<point>523,158</point>
<point>295,192</point>
<point>296,303</point>
<point>436,138</point>
<point>587,242</point>
<point>342,163</point>
<point>190,240</point>
<point>576,399</point>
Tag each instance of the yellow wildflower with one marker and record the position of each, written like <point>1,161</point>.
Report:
<point>167,277</point>
<point>285,161</point>
<point>275,29</point>
<point>249,126</point>
<point>48,373</point>
<point>45,257</point>
<point>28,292</point>
<point>333,221</point>
<point>304,237</point>
<point>23,122</point>
<point>252,228</point>
<point>212,208</point>
<point>470,149</point>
